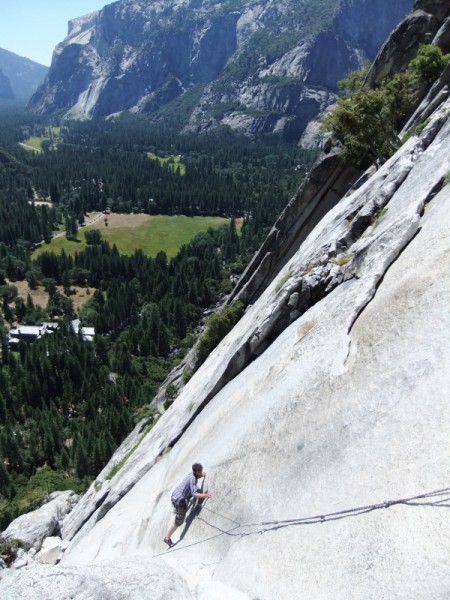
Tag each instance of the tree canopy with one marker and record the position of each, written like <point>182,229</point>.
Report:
<point>366,120</point>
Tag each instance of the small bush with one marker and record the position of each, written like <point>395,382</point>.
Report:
<point>429,63</point>
<point>342,259</point>
<point>186,376</point>
<point>217,328</point>
<point>8,550</point>
<point>416,131</point>
<point>283,280</point>
<point>378,215</point>
<point>145,412</point>
<point>120,464</point>
<point>170,395</point>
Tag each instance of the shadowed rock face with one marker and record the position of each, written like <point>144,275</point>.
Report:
<point>324,187</point>
<point>367,24</point>
<point>24,75</point>
<point>6,90</point>
<point>139,56</point>
<point>428,23</point>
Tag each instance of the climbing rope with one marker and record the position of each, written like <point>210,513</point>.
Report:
<point>221,532</point>
<point>437,499</point>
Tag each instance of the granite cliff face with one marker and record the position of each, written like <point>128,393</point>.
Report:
<point>323,416</point>
<point>24,75</point>
<point>258,65</point>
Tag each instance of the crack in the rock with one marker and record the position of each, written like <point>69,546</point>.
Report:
<point>96,506</point>
<point>380,280</point>
<point>434,191</point>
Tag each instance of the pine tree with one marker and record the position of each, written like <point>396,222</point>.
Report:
<point>81,460</point>
<point>3,413</point>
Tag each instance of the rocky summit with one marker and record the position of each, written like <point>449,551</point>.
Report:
<point>322,418</point>
<point>257,66</point>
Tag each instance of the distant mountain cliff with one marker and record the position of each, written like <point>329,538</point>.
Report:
<point>256,65</point>
<point>24,75</point>
<point>6,91</point>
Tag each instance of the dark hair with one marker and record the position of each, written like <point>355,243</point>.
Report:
<point>197,467</point>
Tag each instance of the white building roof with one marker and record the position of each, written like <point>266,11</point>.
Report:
<point>28,330</point>
<point>87,333</point>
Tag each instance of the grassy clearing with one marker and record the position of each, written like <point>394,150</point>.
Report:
<point>174,162</point>
<point>33,144</point>
<point>39,296</point>
<point>55,131</point>
<point>149,233</point>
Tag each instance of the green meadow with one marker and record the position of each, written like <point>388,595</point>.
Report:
<point>174,162</point>
<point>35,143</point>
<point>130,232</point>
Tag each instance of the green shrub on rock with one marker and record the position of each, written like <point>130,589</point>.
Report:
<point>366,120</point>
<point>429,63</point>
<point>9,549</point>
<point>218,326</point>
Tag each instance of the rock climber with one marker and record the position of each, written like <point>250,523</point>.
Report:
<point>180,498</point>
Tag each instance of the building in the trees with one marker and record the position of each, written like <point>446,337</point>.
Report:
<point>28,333</point>
<point>87,333</point>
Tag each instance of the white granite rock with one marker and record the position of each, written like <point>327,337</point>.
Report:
<point>20,563</point>
<point>51,551</point>
<point>136,579</point>
<point>215,590</point>
<point>32,528</point>
<point>258,322</point>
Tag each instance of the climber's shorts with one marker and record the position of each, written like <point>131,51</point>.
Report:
<point>180,513</point>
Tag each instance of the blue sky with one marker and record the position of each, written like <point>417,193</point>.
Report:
<point>32,28</point>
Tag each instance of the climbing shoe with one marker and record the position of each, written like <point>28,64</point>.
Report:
<point>169,542</point>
